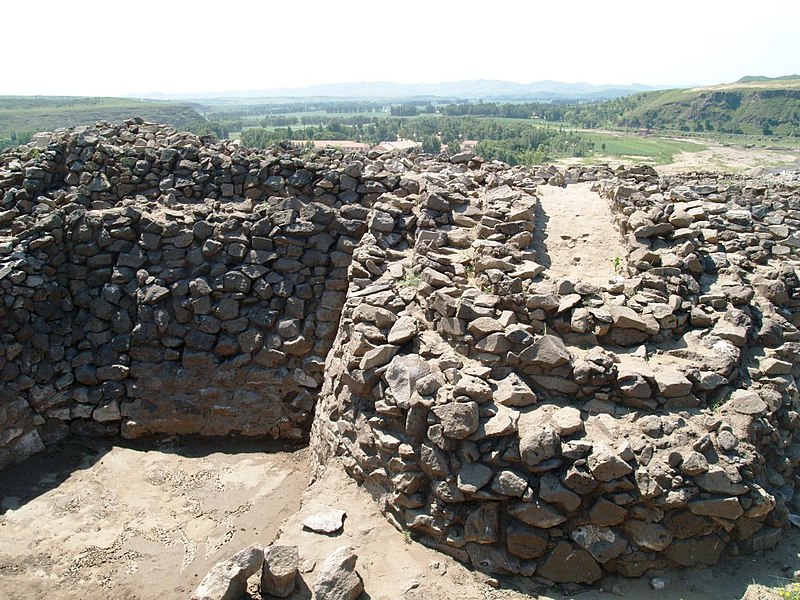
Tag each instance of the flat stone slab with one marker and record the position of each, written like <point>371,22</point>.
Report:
<point>329,520</point>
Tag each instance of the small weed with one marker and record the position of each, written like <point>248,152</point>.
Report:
<point>486,289</point>
<point>469,265</point>
<point>406,536</point>
<point>410,278</point>
<point>617,265</point>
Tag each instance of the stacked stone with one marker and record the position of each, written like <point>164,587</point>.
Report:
<point>473,465</point>
<point>499,325</point>
<point>156,282</point>
<point>492,439</point>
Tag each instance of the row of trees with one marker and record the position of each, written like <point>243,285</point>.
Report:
<point>512,142</point>
<point>218,129</point>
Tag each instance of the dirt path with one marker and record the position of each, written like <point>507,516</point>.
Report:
<point>716,157</point>
<point>575,235</point>
<point>147,523</point>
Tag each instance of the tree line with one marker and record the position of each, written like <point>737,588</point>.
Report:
<point>509,141</point>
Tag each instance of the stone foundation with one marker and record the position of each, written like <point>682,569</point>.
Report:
<point>154,282</point>
<point>564,429</point>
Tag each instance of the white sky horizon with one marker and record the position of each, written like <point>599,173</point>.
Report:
<point>101,48</point>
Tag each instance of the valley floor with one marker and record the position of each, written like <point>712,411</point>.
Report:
<point>713,157</point>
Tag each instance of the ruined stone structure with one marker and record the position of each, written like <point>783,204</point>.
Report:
<point>154,282</point>
<point>157,284</point>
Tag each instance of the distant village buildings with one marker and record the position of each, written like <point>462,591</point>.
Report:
<point>351,146</point>
<point>398,145</point>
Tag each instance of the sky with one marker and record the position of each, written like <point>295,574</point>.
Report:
<point>111,48</point>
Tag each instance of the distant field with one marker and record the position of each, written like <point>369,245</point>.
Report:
<point>657,150</point>
<point>766,84</point>
<point>585,132</point>
<point>23,115</point>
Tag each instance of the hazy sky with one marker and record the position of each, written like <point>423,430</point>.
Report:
<point>87,47</point>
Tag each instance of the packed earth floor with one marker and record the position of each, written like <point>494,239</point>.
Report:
<point>96,521</point>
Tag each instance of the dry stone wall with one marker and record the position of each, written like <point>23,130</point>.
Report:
<point>563,429</point>
<point>154,282</point>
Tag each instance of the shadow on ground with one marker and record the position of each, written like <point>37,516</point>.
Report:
<point>22,482</point>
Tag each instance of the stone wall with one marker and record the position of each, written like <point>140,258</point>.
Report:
<point>154,282</point>
<point>564,429</point>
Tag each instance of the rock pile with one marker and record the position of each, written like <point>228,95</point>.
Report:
<point>157,282</point>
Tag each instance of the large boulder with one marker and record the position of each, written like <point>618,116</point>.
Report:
<point>512,391</point>
<point>568,564</point>
<point>548,351</point>
<point>459,419</point>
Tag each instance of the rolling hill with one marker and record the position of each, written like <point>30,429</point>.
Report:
<point>752,105</point>
<point>21,116</point>
<point>482,89</point>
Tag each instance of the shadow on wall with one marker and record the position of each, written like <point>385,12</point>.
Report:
<point>540,236</point>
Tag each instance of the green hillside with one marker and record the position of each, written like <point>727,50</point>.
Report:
<point>755,106</point>
<point>21,116</point>
<point>752,78</point>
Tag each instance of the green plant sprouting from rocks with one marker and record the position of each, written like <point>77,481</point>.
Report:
<point>410,278</point>
<point>617,264</point>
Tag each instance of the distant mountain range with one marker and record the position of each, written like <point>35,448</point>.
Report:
<point>482,89</point>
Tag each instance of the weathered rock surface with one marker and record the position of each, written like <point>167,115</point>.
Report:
<point>325,521</point>
<point>337,578</point>
<point>227,580</point>
<point>566,563</point>
<point>279,574</point>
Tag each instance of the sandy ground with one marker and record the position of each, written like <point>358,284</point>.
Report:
<point>146,522</point>
<point>749,161</point>
<point>124,522</point>
<point>575,236</point>
<point>716,157</point>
